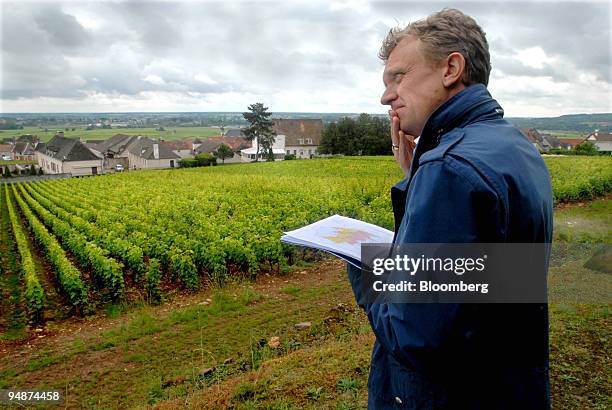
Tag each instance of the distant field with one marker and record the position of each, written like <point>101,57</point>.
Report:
<point>564,134</point>
<point>100,134</point>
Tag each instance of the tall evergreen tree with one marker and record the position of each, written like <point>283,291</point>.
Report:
<point>260,128</point>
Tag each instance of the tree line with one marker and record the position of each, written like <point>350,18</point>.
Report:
<point>366,135</point>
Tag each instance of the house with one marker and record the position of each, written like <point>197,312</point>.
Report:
<point>543,142</point>
<point>234,142</point>
<point>602,140</point>
<point>139,152</point>
<point>302,136</point>
<point>63,155</point>
<point>114,150</point>
<point>32,139</point>
<point>207,147</point>
<point>144,152</point>
<point>23,151</point>
<point>210,145</point>
<point>182,148</point>
<point>552,142</point>
<point>278,149</point>
<point>299,137</point>
<point>234,132</point>
<point>196,143</point>
<point>572,143</point>
<point>6,151</point>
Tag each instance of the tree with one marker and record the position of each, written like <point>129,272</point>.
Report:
<point>204,160</point>
<point>260,128</point>
<point>587,148</point>
<point>224,151</point>
<point>367,135</point>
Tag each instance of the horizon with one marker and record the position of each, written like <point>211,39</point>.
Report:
<point>9,114</point>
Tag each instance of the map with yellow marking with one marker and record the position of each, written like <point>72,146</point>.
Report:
<point>340,236</point>
<point>349,235</point>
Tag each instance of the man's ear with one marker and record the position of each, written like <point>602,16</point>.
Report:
<point>454,67</point>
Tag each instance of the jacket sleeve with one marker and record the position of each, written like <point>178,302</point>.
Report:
<point>447,203</point>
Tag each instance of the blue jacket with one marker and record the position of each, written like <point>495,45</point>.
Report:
<point>474,178</point>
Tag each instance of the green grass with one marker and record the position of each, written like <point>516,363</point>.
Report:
<point>291,290</point>
<point>585,223</point>
<point>170,134</point>
<point>156,348</point>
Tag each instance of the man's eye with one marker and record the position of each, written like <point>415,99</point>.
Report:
<point>398,77</point>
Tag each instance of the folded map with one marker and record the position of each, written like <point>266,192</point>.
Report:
<point>340,236</point>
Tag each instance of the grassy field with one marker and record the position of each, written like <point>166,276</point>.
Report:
<point>214,349</point>
<point>102,134</point>
<point>564,134</point>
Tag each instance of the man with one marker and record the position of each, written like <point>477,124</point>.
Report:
<point>473,178</point>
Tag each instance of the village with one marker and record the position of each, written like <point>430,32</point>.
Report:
<point>295,138</point>
<point>64,156</point>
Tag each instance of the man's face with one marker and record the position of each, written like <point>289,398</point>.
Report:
<point>413,88</point>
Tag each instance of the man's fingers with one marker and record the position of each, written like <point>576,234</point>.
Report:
<point>395,123</point>
<point>405,139</point>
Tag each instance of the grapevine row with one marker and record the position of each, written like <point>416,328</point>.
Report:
<point>34,294</point>
<point>179,261</point>
<point>107,271</point>
<point>68,275</point>
<point>120,249</point>
<point>212,244</point>
<point>131,255</point>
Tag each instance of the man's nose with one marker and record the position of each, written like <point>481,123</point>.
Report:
<point>388,96</point>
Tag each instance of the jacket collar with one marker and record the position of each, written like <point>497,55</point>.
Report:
<point>467,106</point>
<point>472,104</point>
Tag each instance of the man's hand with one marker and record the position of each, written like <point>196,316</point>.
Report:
<point>402,144</point>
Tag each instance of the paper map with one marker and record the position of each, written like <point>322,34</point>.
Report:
<point>340,236</point>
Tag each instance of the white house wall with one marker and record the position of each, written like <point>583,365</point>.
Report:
<point>52,165</point>
<point>301,151</point>
<point>77,168</point>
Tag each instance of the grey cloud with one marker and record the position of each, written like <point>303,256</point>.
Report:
<point>63,30</point>
<point>156,23</point>
<point>261,47</point>
<point>34,76</point>
<point>514,67</point>
<point>578,32</point>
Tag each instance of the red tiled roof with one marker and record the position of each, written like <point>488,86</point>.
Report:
<point>178,144</point>
<point>601,136</point>
<point>572,141</point>
<point>302,129</point>
<point>235,143</point>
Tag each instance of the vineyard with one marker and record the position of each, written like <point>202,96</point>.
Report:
<point>81,243</point>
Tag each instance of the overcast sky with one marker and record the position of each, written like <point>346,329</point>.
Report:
<point>548,58</point>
